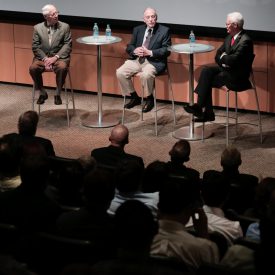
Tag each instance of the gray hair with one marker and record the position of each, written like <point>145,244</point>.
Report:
<point>236,17</point>
<point>47,9</point>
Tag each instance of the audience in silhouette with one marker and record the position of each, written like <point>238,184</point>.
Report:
<point>115,152</point>
<point>128,211</point>
<point>242,186</point>
<point>10,154</point>
<point>128,186</point>
<point>27,206</point>
<point>27,127</point>
<point>215,191</point>
<point>179,201</point>
<point>135,228</point>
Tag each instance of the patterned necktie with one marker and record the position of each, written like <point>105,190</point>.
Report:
<point>232,41</point>
<point>146,45</point>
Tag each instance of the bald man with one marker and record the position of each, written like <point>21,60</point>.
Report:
<point>114,153</point>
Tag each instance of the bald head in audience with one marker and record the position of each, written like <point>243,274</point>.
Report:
<point>119,136</point>
<point>180,151</point>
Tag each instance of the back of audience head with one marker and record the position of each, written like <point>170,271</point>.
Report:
<point>263,194</point>
<point>87,162</point>
<point>215,189</point>
<point>10,154</point>
<point>178,195</point>
<point>135,226</point>
<point>34,166</point>
<point>154,175</point>
<point>180,152</point>
<point>231,158</point>
<point>119,136</point>
<point>27,123</point>
<point>129,175</point>
<point>99,189</point>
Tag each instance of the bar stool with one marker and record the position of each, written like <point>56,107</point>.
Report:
<point>69,96</point>
<point>235,117</point>
<point>156,109</point>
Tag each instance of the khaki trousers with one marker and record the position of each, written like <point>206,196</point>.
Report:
<point>147,73</point>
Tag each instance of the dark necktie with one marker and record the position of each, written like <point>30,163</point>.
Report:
<point>146,45</point>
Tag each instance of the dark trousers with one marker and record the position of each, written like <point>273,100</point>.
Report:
<point>211,76</point>
<point>60,69</point>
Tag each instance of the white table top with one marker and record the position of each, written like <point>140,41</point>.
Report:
<point>99,40</point>
<point>190,49</point>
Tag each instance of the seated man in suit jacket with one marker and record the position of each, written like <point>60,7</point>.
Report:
<point>148,52</point>
<point>27,126</point>
<point>51,46</point>
<point>114,153</point>
<point>234,63</point>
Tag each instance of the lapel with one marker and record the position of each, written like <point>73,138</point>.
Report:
<point>238,39</point>
<point>154,36</point>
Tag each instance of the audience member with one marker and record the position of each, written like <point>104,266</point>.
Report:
<point>263,195</point>
<point>179,154</point>
<point>242,186</point>
<point>27,206</point>
<point>114,153</point>
<point>51,46</point>
<point>154,175</point>
<point>259,260</point>
<point>215,191</point>
<point>234,62</point>
<point>178,202</point>
<point>92,222</point>
<point>135,228</point>
<point>9,164</point>
<point>27,127</point>
<point>128,186</point>
<point>148,51</point>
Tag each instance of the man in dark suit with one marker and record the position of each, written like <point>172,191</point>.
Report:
<point>234,63</point>
<point>51,46</point>
<point>148,52</point>
<point>114,153</point>
<point>27,126</point>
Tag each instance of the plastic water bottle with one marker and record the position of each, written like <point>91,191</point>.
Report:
<point>108,32</point>
<point>192,39</point>
<point>95,30</point>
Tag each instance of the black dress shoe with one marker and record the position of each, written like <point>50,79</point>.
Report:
<point>57,100</point>
<point>132,103</point>
<point>149,105</point>
<point>206,116</point>
<point>42,98</point>
<point>193,109</point>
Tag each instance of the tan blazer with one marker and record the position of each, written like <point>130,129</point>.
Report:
<point>61,43</point>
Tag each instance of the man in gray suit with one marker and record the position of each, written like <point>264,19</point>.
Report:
<point>148,51</point>
<point>51,46</point>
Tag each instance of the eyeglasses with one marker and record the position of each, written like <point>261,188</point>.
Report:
<point>229,24</point>
<point>53,14</point>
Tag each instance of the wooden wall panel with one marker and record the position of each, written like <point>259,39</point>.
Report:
<point>271,77</point>
<point>7,59</point>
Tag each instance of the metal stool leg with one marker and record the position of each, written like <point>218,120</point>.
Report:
<point>123,109</point>
<point>156,111</point>
<point>227,117</point>
<point>172,97</point>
